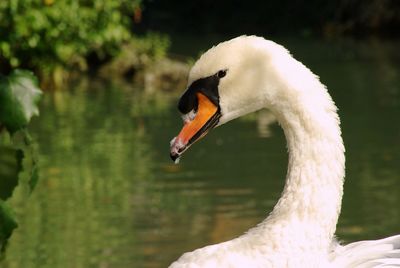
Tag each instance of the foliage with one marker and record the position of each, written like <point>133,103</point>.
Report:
<point>19,97</point>
<point>7,224</point>
<point>138,54</point>
<point>153,46</point>
<point>47,34</point>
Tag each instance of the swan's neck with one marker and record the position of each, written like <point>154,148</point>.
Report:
<point>308,210</point>
<point>314,183</point>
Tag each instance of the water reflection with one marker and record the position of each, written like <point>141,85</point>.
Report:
<point>110,196</point>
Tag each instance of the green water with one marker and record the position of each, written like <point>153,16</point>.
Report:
<point>109,196</point>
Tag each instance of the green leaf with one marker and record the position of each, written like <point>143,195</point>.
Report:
<point>7,225</point>
<point>10,167</point>
<point>19,98</point>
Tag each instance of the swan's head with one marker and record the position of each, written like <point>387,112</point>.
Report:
<point>226,82</point>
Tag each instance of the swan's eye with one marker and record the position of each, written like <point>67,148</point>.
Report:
<point>221,73</point>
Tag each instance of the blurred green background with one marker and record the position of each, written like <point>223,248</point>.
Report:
<point>112,71</point>
<point>56,38</point>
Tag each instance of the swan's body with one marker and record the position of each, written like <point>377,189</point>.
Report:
<point>246,74</point>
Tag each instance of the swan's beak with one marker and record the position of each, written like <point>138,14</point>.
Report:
<point>205,118</point>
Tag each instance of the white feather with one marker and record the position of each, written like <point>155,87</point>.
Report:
<point>299,232</point>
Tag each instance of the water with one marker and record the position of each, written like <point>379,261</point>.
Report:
<point>109,196</point>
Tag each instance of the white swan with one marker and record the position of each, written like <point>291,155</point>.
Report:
<point>249,73</point>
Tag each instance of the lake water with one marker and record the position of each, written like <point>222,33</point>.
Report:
<point>109,196</point>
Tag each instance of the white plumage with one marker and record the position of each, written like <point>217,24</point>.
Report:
<point>299,232</point>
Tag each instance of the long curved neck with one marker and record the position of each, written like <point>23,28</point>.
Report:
<point>308,209</point>
<point>314,182</point>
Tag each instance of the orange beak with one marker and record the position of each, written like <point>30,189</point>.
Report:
<point>206,117</point>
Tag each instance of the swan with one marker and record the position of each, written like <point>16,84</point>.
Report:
<point>249,73</point>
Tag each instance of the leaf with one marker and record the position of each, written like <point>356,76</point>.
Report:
<point>10,167</point>
<point>7,225</point>
<point>19,98</point>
